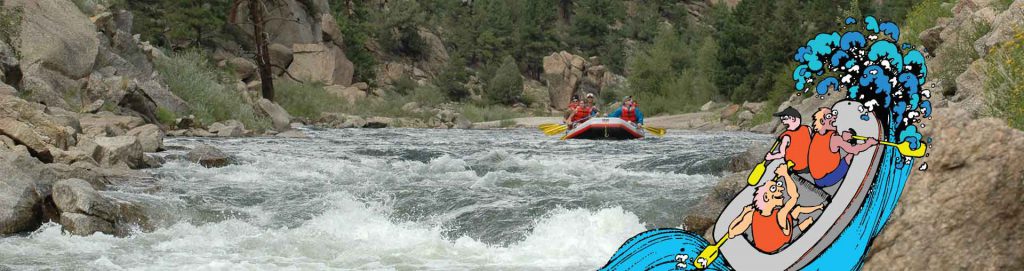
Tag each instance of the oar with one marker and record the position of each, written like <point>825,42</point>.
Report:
<point>755,175</point>
<point>709,254</point>
<point>551,129</point>
<point>656,131</point>
<point>904,147</point>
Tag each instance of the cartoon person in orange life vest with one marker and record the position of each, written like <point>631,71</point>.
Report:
<point>769,218</point>
<point>794,142</point>
<point>629,111</point>
<point>825,162</point>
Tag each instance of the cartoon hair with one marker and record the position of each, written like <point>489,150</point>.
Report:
<point>759,194</point>
<point>816,123</point>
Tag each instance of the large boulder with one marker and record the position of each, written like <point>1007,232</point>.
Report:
<point>280,57</point>
<point>58,46</point>
<point>208,156</point>
<point>22,134</point>
<point>78,196</point>
<point>151,138</point>
<point>119,151</point>
<point>229,128</point>
<point>280,118</point>
<point>312,62</point>
<point>24,185</point>
<point>561,77</point>
<point>108,124</point>
<point>303,24</point>
<point>436,55</point>
<point>344,69</point>
<point>968,201</point>
<point>243,68</point>
<point>52,125</point>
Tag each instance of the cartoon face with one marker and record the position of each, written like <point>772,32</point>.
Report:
<point>773,197</point>
<point>791,122</point>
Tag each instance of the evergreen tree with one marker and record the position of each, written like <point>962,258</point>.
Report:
<point>506,87</point>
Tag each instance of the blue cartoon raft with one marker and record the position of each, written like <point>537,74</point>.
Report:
<point>675,249</point>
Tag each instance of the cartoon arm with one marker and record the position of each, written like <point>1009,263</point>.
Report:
<point>838,143</point>
<point>787,208</point>
<point>781,152</point>
<point>741,223</point>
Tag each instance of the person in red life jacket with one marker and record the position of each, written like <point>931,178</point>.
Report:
<point>573,104</point>
<point>794,142</point>
<point>582,112</point>
<point>629,111</point>
<point>769,218</point>
<point>828,167</point>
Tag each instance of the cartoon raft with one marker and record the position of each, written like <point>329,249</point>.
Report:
<point>842,202</point>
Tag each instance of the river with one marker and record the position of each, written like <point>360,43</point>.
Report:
<point>405,199</point>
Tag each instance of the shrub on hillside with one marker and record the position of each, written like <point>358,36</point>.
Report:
<point>190,76</point>
<point>922,17</point>
<point>307,99</point>
<point>1005,87</point>
<point>506,87</point>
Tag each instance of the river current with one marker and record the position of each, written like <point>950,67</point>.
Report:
<point>404,199</point>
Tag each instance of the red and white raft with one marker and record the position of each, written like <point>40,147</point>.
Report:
<point>605,128</point>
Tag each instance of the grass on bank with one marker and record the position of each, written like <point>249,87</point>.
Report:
<point>1005,85</point>
<point>923,16</point>
<point>209,92</point>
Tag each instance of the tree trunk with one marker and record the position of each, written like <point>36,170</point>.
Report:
<point>565,11</point>
<point>262,53</point>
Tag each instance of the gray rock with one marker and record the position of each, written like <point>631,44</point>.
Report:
<point>280,57</point>
<point>153,161</point>
<point>378,122</point>
<point>22,134</point>
<point>151,138</point>
<point>24,184</point>
<point>242,67</point>
<point>280,117</point>
<point>119,151</point>
<point>746,115</point>
<point>78,196</point>
<point>83,225</point>
<point>968,201</point>
<point>208,156</point>
<point>108,124</point>
<point>229,128</point>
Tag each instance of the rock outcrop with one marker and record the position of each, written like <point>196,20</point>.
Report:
<point>24,186</point>
<point>566,74</point>
<point>280,118</point>
<point>968,202</point>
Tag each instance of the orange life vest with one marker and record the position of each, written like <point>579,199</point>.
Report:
<point>628,114</point>
<point>582,112</point>
<point>573,105</point>
<point>799,143</point>
<point>766,232</point>
<point>820,157</point>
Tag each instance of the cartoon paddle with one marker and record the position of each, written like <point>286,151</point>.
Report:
<point>904,147</point>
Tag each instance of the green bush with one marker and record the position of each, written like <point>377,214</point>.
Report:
<point>164,116</point>
<point>506,87</point>
<point>481,113</point>
<point>452,80</point>
<point>1005,86</point>
<point>922,17</point>
<point>404,85</point>
<point>307,99</point>
<point>958,54</point>
<point>208,91</point>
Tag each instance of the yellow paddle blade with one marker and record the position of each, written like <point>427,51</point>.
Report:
<point>656,131</point>
<point>755,175</point>
<point>555,130</point>
<point>903,148</point>
<point>547,126</point>
<point>709,254</point>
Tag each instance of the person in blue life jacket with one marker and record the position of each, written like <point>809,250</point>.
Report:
<point>629,111</point>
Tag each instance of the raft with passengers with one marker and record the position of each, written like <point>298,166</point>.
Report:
<point>798,201</point>
<point>582,122</point>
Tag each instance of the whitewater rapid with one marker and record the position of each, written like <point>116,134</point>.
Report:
<point>402,199</point>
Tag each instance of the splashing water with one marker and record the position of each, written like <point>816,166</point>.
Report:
<point>399,199</point>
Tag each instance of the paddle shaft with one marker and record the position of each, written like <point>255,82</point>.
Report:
<point>887,143</point>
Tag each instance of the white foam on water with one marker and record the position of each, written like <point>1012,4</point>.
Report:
<point>350,235</point>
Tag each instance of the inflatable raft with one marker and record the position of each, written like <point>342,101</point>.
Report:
<point>605,128</point>
<point>842,201</point>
